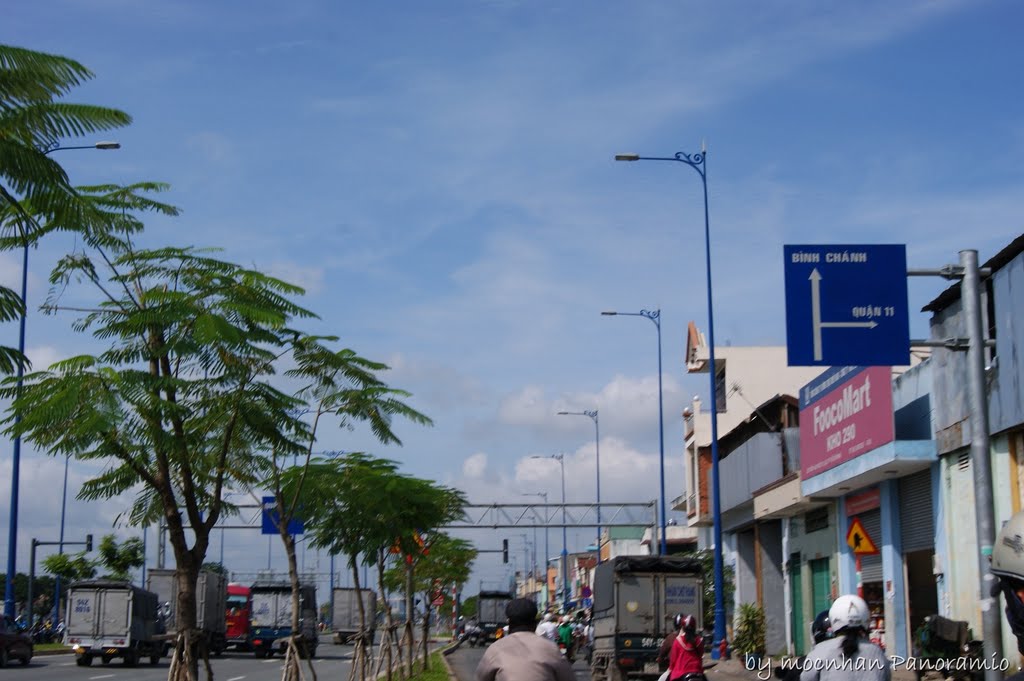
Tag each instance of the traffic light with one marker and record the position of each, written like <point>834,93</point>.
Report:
<point>504,550</point>
<point>88,543</point>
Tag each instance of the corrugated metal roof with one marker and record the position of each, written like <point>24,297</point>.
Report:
<point>996,262</point>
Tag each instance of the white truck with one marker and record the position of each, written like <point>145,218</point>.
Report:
<point>272,618</point>
<point>108,619</point>
<point>345,615</point>
<point>211,599</point>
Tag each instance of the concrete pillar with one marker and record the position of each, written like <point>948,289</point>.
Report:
<point>892,571</point>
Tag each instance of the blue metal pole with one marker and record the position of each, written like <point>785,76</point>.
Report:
<point>565,542</point>
<point>597,446</point>
<point>715,481</point>
<point>12,533</point>
<point>661,440</point>
<point>332,590</point>
<point>698,162</point>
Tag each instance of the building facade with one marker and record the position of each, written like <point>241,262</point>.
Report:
<point>1003,319</point>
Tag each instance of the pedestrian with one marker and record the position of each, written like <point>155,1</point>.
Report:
<point>687,652</point>
<point>849,656</point>
<point>522,655</point>
<point>1008,568</point>
<point>547,628</point>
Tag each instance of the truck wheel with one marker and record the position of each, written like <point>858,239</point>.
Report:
<point>85,660</point>
<point>3,657</point>
<point>105,659</point>
<point>131,658</point>
<point>154,659</point>
<point>260,653</point>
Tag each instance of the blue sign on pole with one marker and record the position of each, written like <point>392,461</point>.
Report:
<point>847,305</point>
<point>270,519</point>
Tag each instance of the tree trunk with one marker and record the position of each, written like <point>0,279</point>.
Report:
<point>426,633</point>
<point>363,629</point>
<point>409,621</point>
<point>188,562</point>
<point>388,620</point>
<point>293,576</point>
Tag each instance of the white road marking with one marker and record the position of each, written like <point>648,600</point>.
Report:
<point>236,678</point>
<point>104,676</point>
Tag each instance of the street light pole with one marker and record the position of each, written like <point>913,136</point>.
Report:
<point>560,458</point>
<point>655,317</point>
<point>547,553</point>
<point>698,162</point>
<point>12,533</point>
<point>597,448</point>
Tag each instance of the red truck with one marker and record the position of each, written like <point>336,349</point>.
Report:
<point>239,611</point>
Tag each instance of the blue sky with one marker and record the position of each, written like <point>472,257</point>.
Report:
<point>439,176</point>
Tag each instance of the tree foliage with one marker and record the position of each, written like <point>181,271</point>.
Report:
<point>120,559</point>
<point>70,567</point>
<point>33,120</point>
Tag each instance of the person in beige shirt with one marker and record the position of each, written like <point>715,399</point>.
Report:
<point>522,655</point>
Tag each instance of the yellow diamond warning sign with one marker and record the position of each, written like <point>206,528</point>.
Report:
<point>859,540</point>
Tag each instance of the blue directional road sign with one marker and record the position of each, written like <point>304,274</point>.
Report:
<point>847,305</point>
<point>270,519</point>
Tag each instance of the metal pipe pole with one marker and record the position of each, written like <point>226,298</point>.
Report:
<point>661,442</point>
<point>332,589</point>
<point>31,579</point>
<point>715,480</point>
<point>145,532</point>
<point>597,449</point>
<point>12,532</point>
<point>565,542</point>
<point>981,463</point>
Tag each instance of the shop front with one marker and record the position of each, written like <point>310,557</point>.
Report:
<point>864,443</point>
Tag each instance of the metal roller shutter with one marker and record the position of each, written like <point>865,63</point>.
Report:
<point>917,525</point>
<point>871,566</point>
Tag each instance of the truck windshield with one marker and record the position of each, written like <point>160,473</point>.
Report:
<point>237,602</point>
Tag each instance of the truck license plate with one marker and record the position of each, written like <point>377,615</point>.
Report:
<point>651,668</point>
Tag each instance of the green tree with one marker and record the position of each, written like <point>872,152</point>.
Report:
<point>34,119</point>
<point>70,567</point>
<point>468,607</point>
<point>339,385</point>
<point>120,559</point>
<point>443,561</point>
<point>180,401</point>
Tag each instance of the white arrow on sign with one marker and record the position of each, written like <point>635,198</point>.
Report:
<point>816,315</point>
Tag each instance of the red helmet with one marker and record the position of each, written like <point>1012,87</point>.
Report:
<point>687,623</point>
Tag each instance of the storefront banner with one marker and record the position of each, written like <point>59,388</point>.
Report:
<point>845,412</point>
<point>865,501</point>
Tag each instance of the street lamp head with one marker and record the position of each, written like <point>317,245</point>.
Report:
<point>609,314</point>
<point>108,145</point>
<point>627,157</point>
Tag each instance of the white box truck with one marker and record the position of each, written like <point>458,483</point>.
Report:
<point>345,614</point>
<point>211,603</point>
<point>108,619</point>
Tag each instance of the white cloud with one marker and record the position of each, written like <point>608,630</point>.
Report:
<point>475,466</point>
<point>307,276</point>
<point>42,357</point>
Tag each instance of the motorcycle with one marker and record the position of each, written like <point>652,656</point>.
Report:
<point>946,644</point>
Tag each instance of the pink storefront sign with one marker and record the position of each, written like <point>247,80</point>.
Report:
<point>845,412</point>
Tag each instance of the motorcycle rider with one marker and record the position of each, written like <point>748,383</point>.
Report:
<point>522,655</point>
<point>849,656</point>
<point>547,628</point>
<point>1008,568</point>
<point>821,630</point>
<point>687,653</point>
<point>565,631</point>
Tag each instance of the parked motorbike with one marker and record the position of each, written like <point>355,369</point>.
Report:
<point>945,645</point>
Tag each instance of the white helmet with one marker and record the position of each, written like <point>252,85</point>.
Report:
<point>849,611</point>
<point>547,617</point>
<point>1008,553</point>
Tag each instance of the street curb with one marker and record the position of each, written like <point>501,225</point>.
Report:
<point>46,653</point>
<point>448,667</point>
